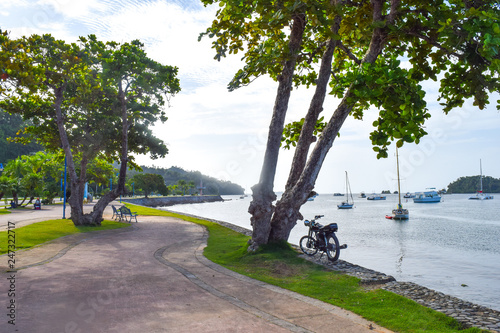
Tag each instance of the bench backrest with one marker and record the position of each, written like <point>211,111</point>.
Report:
<point>125,210</point>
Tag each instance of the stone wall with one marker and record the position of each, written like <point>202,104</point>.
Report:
<point>169,201</point>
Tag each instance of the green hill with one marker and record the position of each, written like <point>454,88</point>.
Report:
<point>212,185</point>
<point>470,184</point>
<point>9,126</point>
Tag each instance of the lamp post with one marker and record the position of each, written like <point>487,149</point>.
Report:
<point>62,186</point>
<point>133,190</point>
<point>65,174</point>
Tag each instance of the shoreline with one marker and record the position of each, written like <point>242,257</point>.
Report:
<point>467,313</point>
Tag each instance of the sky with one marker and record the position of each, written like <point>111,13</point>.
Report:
<point>223,134</point>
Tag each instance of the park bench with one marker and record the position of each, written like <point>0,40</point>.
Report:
<point>117,214</point>
<point>125,211</point>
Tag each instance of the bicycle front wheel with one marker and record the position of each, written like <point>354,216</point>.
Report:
<point>308,245</point>
<point>332,248</point>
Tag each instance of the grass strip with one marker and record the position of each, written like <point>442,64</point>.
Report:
<point>280,265</point>
<point>41,232</point>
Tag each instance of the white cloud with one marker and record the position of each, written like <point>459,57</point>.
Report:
<point>75,8</point>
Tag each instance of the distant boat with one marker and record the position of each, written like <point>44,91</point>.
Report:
<point>427,196</point>
<point>346,204</point>
<point>376,197</point>
<point>409,195</point>
<point>338,195</point>
<point>399,213</point>
<point>312,196</point>
<point>362,195</point>
<point>479,194</point>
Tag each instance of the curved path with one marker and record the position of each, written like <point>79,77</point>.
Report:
<point>152,277</point>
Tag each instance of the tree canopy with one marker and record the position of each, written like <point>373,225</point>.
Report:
<point>92,99</point>
<point>149,182</point>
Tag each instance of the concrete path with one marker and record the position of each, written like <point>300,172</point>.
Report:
<point>151,277</point>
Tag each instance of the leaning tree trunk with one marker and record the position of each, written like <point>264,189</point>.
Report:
<point>261,208</point>
<point>287,210</point>
<point>95,217</point>
<point>285,216</point>
<point>76,207</point>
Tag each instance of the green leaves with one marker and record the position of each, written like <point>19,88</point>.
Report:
<point>292,132</point>
<point>89,74</point>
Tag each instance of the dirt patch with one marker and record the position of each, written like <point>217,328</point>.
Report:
<point>281,269</point>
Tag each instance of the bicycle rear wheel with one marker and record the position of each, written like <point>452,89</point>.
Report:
<point>308,245</point>
<point>332,248</point>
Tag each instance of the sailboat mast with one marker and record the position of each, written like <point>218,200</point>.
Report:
<point>346,190</point>
<point>399,186</point>
<point>481,175</point>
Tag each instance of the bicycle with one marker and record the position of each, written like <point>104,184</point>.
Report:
<point>321,238</point>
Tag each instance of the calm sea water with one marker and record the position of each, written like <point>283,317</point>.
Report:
<point>452,246</point>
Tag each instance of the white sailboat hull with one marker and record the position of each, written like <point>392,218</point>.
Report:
<point>481,196</point>
<point>400,214</point>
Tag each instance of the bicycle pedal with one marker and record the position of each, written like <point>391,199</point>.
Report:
<point>343,246</point>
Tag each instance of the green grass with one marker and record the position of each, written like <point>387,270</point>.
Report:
<point>41,232</point>
<point>280,265</point>
<point>4,211</point>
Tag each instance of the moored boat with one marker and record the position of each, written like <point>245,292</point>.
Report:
<point>376,197</point>
<point>427,196</point>
<point>479,194</point>
<point>399,213</point>
<point>346,204</point>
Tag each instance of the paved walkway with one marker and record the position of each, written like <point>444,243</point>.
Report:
<point>151,277</point>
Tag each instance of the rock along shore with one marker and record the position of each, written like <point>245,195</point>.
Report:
<point>467,313</point>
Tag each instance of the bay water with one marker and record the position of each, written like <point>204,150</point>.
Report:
<point>452,246</point>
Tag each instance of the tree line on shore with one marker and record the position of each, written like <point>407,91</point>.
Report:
<point>41,175</point>
<point>470,184</point>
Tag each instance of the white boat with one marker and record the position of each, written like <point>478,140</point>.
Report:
<point>346,204</point>
<point>479,194</point>
<point>376,197</point>
<point>362,195</point>
<point>409,195</point>
<point>399,213</point>
<point>427,196</point>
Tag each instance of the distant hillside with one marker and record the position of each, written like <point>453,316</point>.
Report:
<point>470,184</point>
<point>9,126</point>
<point>212,185</point>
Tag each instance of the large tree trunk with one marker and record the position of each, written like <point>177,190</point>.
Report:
<point>261,208</point>
<point>76,182</point>
<point>287,208</point>
<point>301,182</point>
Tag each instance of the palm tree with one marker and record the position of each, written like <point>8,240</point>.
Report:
<point>15,170</point>
<point>6,185</point>
<point>182,184</point>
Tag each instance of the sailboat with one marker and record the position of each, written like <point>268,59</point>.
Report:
<point>479,194</point>
<point>346,204</point>
<point>399,213</point>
